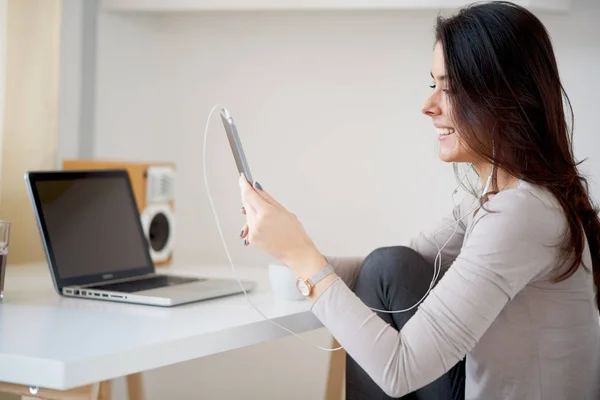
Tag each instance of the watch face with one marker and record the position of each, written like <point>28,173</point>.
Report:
<point>303,287</point>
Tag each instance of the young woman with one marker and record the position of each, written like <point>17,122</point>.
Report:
<point>515,313</point>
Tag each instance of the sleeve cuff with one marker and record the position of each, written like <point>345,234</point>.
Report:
<point>325,294</point>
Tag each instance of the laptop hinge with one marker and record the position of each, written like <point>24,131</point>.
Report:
<point>109,281</point>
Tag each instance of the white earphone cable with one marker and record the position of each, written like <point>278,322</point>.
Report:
<point>437,262</point>
<point>227,249</point>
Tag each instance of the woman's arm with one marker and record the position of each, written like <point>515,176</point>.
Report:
<point>504,251</point>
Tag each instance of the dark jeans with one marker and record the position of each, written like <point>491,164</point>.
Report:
<point>395,278</point>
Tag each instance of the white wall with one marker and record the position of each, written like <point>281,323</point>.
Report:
<point>70,99</point>
<point>328,108</point>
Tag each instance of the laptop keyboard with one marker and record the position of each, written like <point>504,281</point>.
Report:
<point>146,284</point>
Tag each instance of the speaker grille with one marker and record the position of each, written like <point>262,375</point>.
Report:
<point>160,184</point>
<point>159,232</point>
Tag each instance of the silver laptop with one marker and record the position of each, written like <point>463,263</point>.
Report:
<point>95,246</point>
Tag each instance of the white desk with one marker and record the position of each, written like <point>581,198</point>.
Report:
<point>61,343</point>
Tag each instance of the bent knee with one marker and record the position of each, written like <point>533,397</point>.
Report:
<point>392,261</point>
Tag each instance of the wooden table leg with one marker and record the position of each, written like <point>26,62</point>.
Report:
<point>87,392</point>
<point>135,387</point>
<point>97,391</point>
<point>337,374</point>
<point>105,390</point>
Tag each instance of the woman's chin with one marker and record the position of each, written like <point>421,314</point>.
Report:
<point>453,154</point>
<point>448,156</point>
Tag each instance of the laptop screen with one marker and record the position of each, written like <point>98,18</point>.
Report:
<point>91,225</point>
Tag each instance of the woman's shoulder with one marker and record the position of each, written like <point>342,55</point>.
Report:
<point>526,208</point>
<point>528,194</point>
<point>519,231</point>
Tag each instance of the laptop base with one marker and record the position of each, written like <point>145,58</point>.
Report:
<point>202,289</point>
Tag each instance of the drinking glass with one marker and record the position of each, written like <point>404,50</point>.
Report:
<point>4,236</point>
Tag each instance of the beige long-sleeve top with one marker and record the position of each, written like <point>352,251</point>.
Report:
<point>524,336</point>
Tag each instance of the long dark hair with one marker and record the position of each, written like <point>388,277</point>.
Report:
<point>506,95</point>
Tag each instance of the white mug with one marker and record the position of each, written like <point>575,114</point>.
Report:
<point>283,282</point>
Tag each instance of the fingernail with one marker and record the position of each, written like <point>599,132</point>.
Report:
<point>245,242</point>
<point>241,233</point>
<point>257,185</point>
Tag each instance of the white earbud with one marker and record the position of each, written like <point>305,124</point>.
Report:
<point>489,182</point>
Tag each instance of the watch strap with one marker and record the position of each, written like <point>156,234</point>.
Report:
<point>328,270</point>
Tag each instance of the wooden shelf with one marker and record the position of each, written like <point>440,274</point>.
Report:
<point>306,5</point>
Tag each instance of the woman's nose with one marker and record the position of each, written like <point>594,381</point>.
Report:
<point>431,106</point>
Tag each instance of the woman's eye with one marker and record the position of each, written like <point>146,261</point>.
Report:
<point>433,86</point>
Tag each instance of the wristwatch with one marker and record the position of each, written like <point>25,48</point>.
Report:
<point>305,285</point>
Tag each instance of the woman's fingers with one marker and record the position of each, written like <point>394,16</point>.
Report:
<point>256,200</point>
<point>267,197</point>
<point>250,199</point>
<point>244,235</point>
<point>244,232</point>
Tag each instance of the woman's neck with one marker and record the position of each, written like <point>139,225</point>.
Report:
<point>504,180</point>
